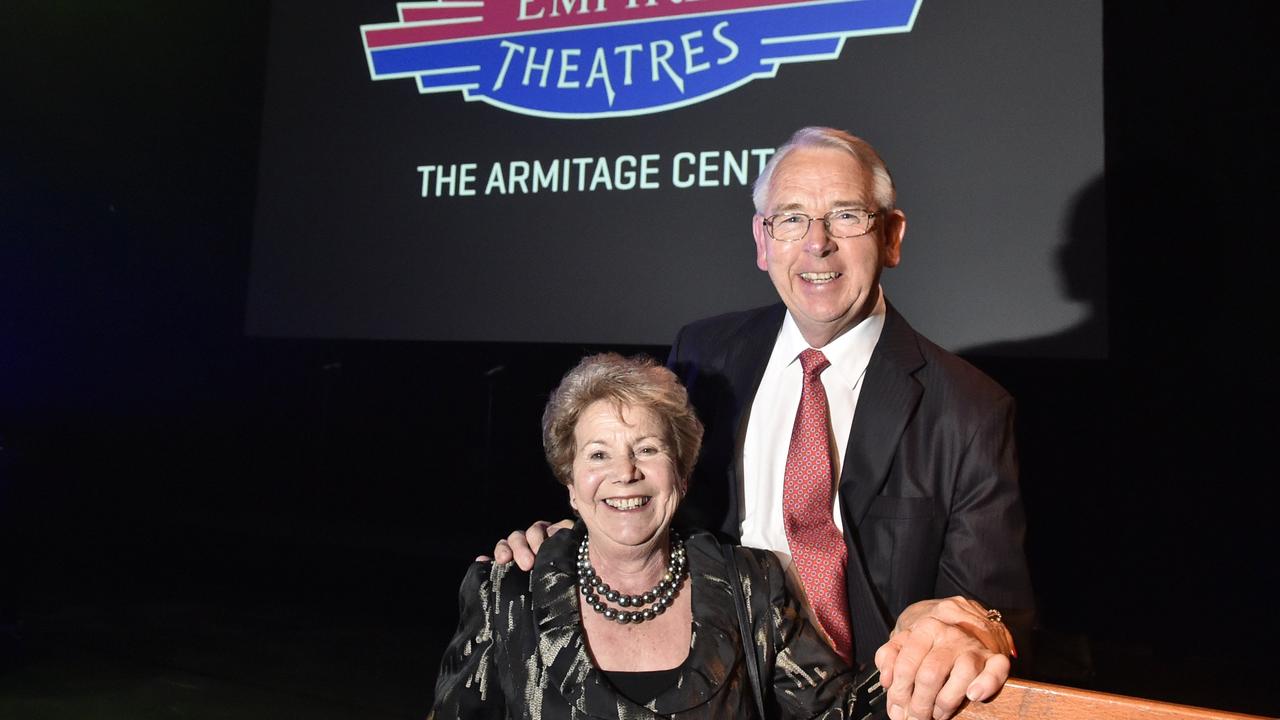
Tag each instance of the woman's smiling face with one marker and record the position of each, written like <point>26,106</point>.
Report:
<point>625,485</point>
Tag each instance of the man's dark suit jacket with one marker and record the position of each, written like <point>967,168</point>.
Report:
<point>929,487</point>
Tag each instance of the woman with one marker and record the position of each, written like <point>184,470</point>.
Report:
<point>622,616</point>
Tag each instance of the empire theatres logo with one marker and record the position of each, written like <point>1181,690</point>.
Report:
<point>611,58</point>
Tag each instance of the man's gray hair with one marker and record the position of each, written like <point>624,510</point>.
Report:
<point>882,190</point>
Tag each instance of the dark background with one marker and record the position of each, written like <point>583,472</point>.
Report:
<point>195,523</point>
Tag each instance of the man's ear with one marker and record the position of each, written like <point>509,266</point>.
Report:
<point>895,228</point>
<point>762,241</point>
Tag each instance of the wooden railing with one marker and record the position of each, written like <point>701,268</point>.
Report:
<point>1029,700</point>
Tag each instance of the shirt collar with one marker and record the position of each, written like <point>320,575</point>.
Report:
<point>848,354</point>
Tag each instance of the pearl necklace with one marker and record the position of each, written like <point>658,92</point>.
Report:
<point>660,597</point>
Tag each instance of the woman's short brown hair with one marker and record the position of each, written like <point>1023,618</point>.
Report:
<point>637,381</point>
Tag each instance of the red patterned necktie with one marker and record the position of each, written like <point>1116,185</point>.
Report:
<point>817,547</point>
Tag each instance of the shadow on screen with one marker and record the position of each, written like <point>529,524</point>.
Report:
<point>1060,381</point>
<point>1082,272</point>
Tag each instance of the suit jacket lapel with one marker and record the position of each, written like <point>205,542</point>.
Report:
<point>746,356</point>
<point>889,396</point>
<point>744,364</point>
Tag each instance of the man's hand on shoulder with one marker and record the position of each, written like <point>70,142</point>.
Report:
<point>942,652</point>
<point>522,547</point>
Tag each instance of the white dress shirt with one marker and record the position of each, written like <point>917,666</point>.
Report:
<point>773,413</point>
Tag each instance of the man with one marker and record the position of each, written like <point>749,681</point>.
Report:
<point>879,465</point>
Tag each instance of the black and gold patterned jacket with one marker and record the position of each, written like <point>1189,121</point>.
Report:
<point>519,651</point>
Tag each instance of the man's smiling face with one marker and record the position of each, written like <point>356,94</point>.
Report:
<point>829,284</point>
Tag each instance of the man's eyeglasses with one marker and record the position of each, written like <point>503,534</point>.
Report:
<point>789,227</point>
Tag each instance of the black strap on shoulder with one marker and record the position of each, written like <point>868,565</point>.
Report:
<point>749,657</point>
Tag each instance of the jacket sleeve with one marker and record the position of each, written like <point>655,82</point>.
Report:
<point>469,685</point>
<point>982,553</point>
